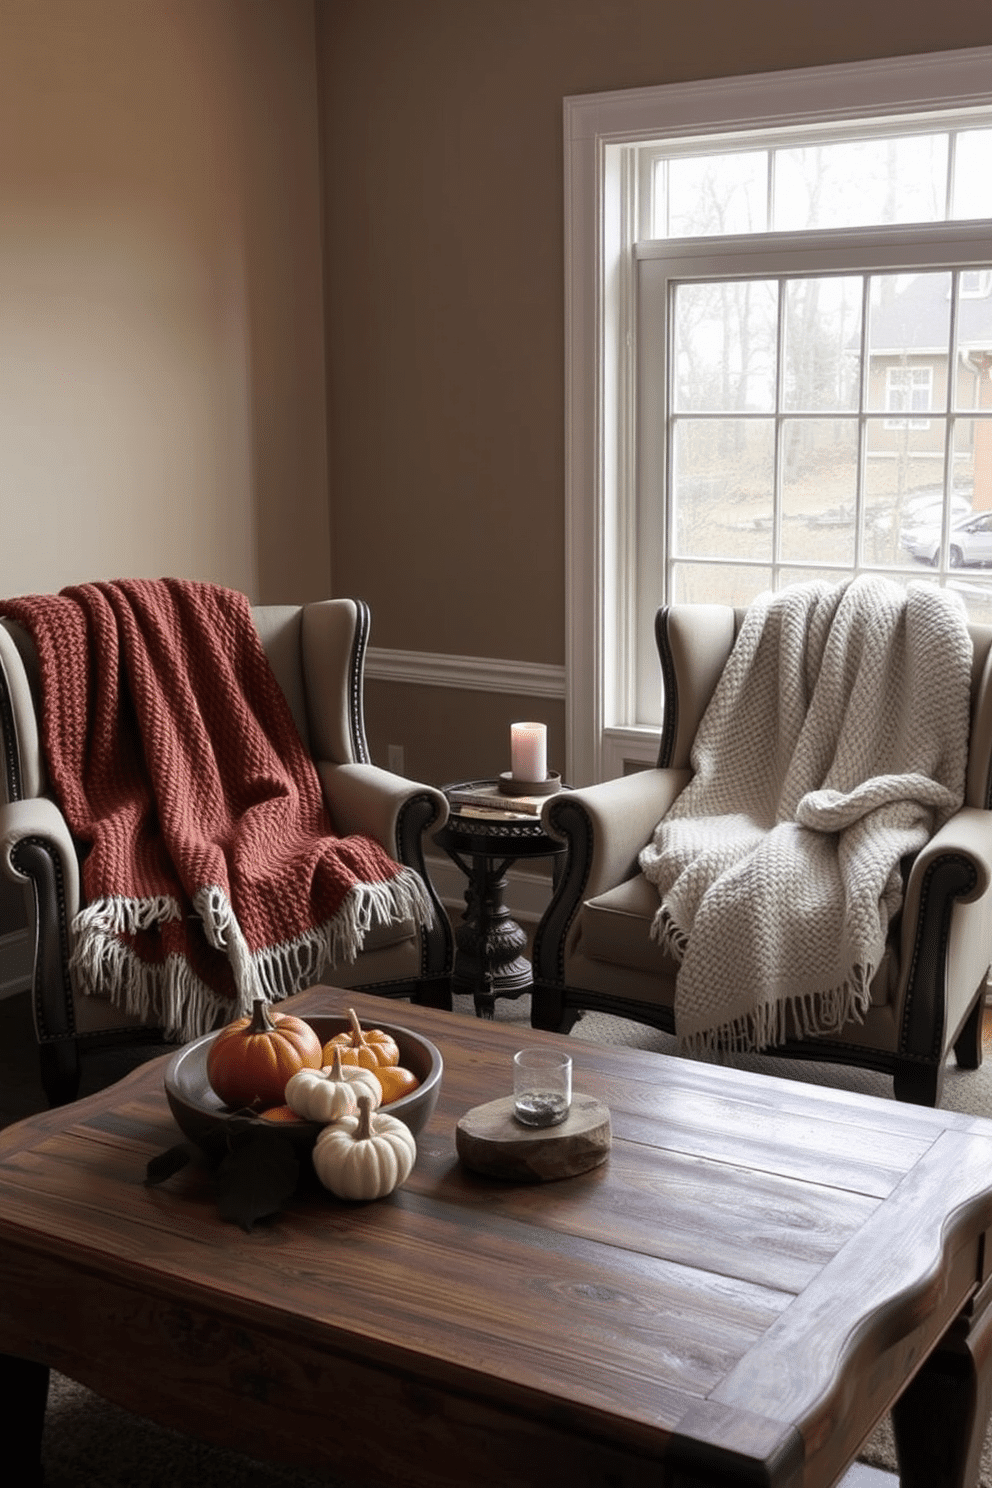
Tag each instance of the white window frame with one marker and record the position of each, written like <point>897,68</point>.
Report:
<point>599,204</point>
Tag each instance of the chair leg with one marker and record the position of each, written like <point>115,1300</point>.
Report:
<point>918,1084</point>
<point>60,1072</point>
<point>433,992</point>
<point>968,1045</point>
<point>548,1010</point>
<point>23,1397</point>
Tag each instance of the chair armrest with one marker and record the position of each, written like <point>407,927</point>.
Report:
<point>398,813</point>
<point>615,819</point>
<point>367,799</point>
<point>944,941</point>
<point>967,836</point>
<point>36,847</point>
<point>38,823</point>
<point>604,826</point>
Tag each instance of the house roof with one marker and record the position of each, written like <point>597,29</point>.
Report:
<point>917,319</point>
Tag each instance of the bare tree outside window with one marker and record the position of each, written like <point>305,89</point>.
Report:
<point>825,420</point>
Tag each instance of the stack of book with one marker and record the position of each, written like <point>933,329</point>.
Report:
<point>492,801</point>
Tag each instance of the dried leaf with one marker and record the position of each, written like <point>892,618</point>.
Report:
<point>172,1161</point>
<point>256,1178</point>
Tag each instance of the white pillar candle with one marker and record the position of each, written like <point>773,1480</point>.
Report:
<point>529,751</point>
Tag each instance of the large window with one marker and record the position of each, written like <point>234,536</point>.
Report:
<point>784,356</point>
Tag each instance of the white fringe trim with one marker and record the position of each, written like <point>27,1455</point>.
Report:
<point>767,1026</point>
<point>168,993</point>
<point>669,937</point>
<point>172,995</point>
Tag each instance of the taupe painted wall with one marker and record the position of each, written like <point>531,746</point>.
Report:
<point>162,405</point>
<point>442,146</point>
<point>163,284</point>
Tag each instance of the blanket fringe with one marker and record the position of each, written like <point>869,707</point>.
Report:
<point>808,1015</point>
<point>171,994</point>
<point>669,937</point>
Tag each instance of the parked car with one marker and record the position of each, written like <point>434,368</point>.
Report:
<point>969,541</point>
<point>926,509</point>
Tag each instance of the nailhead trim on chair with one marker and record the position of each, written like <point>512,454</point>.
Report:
<point>356,673</point>
<point>21,859</point>
<point>11,761</point>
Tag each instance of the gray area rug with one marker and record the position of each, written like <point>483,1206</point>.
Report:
<point>90,1443</point>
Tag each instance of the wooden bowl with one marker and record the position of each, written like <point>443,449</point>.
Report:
<point>202,1117</point>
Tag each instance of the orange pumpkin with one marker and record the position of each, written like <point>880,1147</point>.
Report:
<point>396,1082</point>
<point>370,1050</point>
<point>280,1113</point>
<point>251,1059</point>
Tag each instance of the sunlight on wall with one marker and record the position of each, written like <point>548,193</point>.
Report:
<point>135,172</point>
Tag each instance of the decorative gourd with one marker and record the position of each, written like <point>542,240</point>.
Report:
<point>279,1113</point>
<point>361,1080</point>
<point>370,1050</point>
<point>327,1094</point>
<point>364,1156</point>
<point>395,1082</point>
<point>251,1060</point>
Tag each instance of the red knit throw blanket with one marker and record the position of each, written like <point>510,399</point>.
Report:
<point>211,873</point>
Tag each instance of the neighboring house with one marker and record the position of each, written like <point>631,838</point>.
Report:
<point>909,339</point>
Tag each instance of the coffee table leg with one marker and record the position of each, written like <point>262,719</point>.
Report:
<point>941,1418</point>
<point>23,1397</point>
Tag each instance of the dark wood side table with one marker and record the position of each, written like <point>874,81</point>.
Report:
<point>490,947</point>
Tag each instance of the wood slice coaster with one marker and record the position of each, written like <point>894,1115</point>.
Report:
<point>490,1141</point>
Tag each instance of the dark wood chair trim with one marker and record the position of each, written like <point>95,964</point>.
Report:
<point>670,710</point>
<point>51,991</point>
<point>569,821</point>
<point>416,818</point>
<point>947,879</point>
<point>356,684</point>
<point>11,753</point>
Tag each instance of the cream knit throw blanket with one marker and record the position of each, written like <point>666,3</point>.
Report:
<point>835,743</point>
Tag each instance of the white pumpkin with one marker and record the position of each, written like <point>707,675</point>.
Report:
<point>332,1092</point>
<point>319,1098</point>
<point>364,1156</point>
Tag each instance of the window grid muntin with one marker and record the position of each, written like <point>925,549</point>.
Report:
<point>674,561</point>
<point>653,156</point>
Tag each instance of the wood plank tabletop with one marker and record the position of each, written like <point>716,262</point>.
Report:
<point>750,1279</point>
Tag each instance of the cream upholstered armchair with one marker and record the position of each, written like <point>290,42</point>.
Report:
<point>317,652</point>
<point>593,947</point>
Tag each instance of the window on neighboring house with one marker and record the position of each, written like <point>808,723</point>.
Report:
<point>907,392</point>
<point>976,284</point>
<point>784,355</point>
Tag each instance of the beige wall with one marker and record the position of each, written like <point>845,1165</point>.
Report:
<point>163,279</point>
<point>444,254</point>
<point>161,347</point>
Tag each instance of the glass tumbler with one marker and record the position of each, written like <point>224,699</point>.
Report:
<point>542,1087</point>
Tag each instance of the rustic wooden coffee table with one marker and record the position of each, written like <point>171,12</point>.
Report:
<point>755,1275</point>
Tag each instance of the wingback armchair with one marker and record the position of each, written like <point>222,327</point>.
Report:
<point>317,652</point>
<point>593,948</point>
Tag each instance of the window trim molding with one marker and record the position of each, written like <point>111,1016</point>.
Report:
<point>598,354</point>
